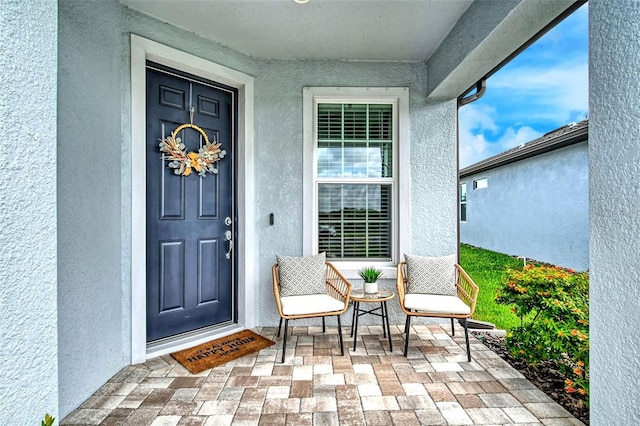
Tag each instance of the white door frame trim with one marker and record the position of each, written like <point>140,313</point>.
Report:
<point>141,50</point>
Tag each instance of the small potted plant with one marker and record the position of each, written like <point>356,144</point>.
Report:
<point>370,275</point>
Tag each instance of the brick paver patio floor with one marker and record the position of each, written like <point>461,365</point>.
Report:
<point>434,385</point>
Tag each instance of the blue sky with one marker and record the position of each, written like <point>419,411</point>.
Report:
<point>542,89</point>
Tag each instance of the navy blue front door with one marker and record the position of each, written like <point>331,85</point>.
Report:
<point>190,219</point>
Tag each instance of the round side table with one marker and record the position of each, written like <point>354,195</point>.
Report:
<point>381,296</point>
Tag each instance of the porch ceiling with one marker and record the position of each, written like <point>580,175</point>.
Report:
<point>366,30</point>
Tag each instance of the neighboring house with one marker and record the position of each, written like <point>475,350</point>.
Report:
<point>532,200</point>
<point>87,210</point>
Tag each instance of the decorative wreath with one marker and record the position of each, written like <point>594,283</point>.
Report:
<point>182,162</point>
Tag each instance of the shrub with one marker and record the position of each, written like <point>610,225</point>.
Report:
<point>553,306</point>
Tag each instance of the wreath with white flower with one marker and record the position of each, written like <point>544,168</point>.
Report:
<point>183,162</point>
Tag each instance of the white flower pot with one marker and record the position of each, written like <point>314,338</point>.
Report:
<point>371,287</point>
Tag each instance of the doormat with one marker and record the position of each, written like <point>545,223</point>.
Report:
<point>219,351</point>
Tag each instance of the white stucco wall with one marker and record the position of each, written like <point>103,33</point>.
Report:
<point>279,147</point>
<point>92,307</point>
<point>433,177</point>
<point>537,207</point>
<point>279,163</point>
<point>614,155</point>
<point>94,275</point>
<point>94,186</point>
<point>28,318</point>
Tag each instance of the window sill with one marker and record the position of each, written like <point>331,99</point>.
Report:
<point>350,269</point>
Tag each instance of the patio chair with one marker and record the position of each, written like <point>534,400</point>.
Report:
<point>435,287</point>
<point>309,287</point>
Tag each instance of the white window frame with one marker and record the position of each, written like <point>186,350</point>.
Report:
<point>480,183</point>
<point>401,233</point>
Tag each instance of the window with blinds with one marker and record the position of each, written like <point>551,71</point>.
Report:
<point>355,181</point>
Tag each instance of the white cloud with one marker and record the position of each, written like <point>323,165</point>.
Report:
<point>477,117</point>
<point>474,121</point>
<point>513,137</point>
<point>560,93</point>
<point>474,147</point>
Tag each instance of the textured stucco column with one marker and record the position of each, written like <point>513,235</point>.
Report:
<point>433,178</point>
<point>93,308</point>
<point>614,145</point>
<point>28,310</point>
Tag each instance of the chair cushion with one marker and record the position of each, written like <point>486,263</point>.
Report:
<point>431,275</point>
<point>310,304</point>
<point>437,304</point>
<point>302,275</point>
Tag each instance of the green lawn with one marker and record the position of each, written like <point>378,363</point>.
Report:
<point>487,269</point>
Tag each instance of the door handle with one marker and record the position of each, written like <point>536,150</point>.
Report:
<point>229,238</point>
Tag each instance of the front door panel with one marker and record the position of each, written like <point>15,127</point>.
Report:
<point>190,280</point>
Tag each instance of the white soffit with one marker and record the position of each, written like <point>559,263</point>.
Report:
<point>365,30</point>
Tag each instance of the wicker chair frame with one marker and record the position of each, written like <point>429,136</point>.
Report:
<point>337,286</point>
<point>467,291</point>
